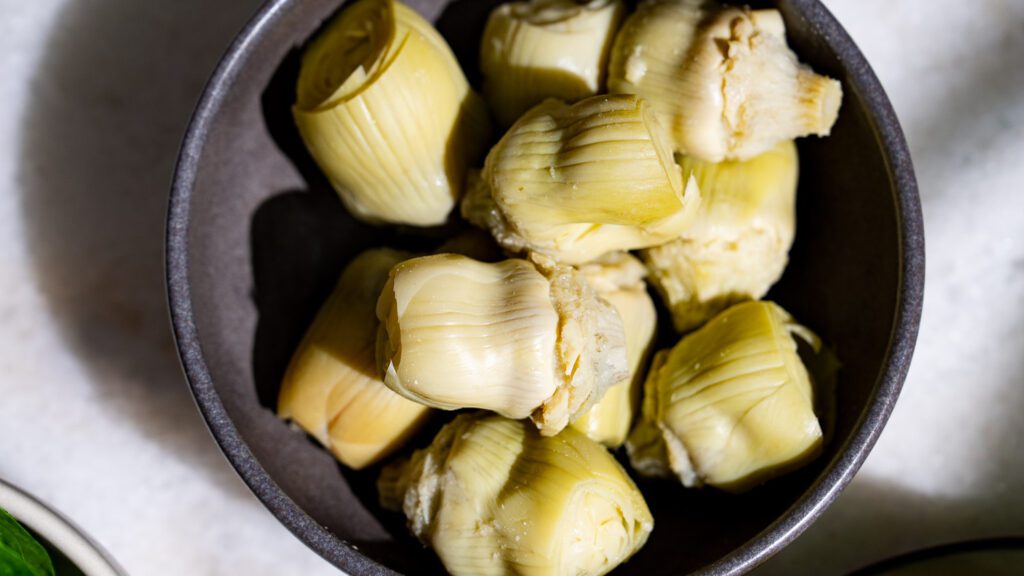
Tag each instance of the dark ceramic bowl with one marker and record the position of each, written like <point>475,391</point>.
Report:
<point>256,239</point>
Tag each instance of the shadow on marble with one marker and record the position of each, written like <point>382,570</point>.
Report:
<point>972,120</point>
<point>112,94</point>
<point>875,519</point>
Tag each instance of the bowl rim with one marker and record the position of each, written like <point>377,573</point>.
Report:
<point>881,119</point>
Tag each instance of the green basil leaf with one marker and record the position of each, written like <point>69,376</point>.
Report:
<point>20,554</point>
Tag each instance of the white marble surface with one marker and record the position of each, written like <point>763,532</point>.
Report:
<point>96,418</point>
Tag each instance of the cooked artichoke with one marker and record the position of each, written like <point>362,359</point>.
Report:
<point>571,183</point>
<point>546,49</point>
<point>739,245</point>
<point>619,279</point>
<point>722,79</point>
<point>386,112</point>
<point>731,405</point>
<point>494,497</point>
<point>507,337</point>
<point>332,388</point>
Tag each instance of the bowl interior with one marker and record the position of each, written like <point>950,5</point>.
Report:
<point>257,239</point>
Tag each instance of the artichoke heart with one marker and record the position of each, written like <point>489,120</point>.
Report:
<point>507,337</point>
<point>541,49</point>
<point>388,115</point>
<point>619,279</point>
<point>739,245</point>
<point>571,183</point>
<point>332,388</point>
<point>493,497</point>
<point>731,405</point>
<point>722,79</point>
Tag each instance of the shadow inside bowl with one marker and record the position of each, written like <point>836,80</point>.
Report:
<point>265,224</point>
<point>300,241</point>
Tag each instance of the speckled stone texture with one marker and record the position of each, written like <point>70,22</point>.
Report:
<point>98,421</point>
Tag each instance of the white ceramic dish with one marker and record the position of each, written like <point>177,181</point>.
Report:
<point>58,532</point>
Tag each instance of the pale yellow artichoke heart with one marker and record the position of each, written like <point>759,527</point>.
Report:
<point>332,388</point>
<point>722,79</point>
<point>619,279</point>
<point>572,183</point>
<point>493,497</point>
<point>731,405</point>
<point>387,114</point>
<point>457,333</point>
<point>541,49</point>
<point>739,245</point>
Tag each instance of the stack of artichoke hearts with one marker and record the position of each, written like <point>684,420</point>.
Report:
<point>645,150</point>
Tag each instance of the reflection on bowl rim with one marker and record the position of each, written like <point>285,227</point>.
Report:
<point>58,531</point>
<point>860,79</point>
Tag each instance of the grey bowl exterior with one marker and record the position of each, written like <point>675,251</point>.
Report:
<point>872,245</point>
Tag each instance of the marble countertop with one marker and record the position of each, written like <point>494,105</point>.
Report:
<point>98,422</point>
